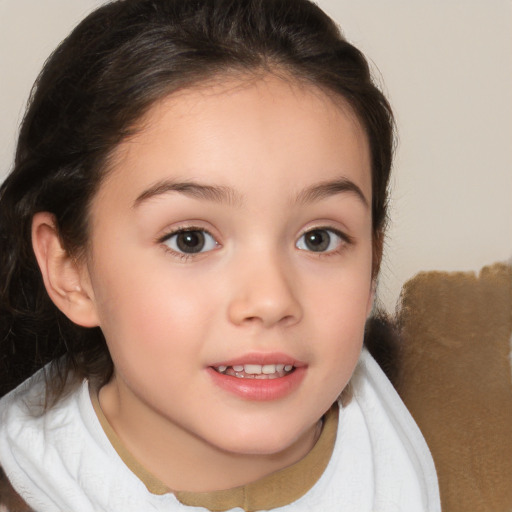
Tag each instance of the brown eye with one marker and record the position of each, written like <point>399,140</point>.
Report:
<point>191,241</point>
<point>320,240</point>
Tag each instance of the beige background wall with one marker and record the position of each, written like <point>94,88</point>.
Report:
<point>447,69</point>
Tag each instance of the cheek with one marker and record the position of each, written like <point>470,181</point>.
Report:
<point>145,309</point>
<point>339,302</point>
<point>342,329</point>
<point>342,290</point>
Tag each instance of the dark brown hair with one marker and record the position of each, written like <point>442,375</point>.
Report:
<point>89,96</point>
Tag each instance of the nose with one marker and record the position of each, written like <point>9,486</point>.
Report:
<point>265,293</point>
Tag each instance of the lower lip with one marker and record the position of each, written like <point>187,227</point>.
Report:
<point>259,389</point>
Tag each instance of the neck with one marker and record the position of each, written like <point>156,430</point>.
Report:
<point>154,442</point>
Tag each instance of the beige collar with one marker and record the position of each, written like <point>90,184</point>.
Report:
<point>275,490</point>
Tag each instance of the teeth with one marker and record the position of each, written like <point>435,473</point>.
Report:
<point>255,370</point>
<point>252,369</point>
<point>268,369</point>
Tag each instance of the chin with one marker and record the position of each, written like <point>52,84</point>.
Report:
<point>269,442</point>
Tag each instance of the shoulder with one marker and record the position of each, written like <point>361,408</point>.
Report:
<point>399,451</point>
<point>23,424</point>
<point>10,500</point>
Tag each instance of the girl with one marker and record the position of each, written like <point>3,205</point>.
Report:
<point>191,236</point>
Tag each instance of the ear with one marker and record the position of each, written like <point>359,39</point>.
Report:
<point>371,298</point>
<point>377,250</point>
<point>66,282</point>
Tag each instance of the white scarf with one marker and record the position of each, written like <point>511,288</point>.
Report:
<point>62,461</point>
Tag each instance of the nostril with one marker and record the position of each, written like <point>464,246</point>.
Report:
<point>265,320</point>
<point>265,305</point>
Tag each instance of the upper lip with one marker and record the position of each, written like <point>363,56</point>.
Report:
<point>261,359</point>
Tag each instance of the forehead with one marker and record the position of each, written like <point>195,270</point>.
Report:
<point>286,132</point>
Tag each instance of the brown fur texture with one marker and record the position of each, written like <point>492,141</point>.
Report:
<point>455,378</point>
<point>454,374</point>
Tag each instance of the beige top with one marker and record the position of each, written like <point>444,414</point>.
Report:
<point>272,491</point>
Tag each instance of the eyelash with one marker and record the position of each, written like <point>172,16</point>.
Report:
<point>344,241</point>
<point>189,229</point>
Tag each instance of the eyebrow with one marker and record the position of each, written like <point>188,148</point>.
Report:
<point>223,194</point>
<point>215,193</point>
<point>330,188</point>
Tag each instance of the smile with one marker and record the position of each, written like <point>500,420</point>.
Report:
<point>259,376</point>
<point>256,371</point>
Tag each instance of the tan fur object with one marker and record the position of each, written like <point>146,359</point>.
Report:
<point>455,378</point>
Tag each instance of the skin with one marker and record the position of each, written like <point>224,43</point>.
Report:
<point>256,288</point>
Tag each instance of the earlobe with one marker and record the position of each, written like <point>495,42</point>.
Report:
<point>62,276</point>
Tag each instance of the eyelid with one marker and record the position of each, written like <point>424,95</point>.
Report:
<point>176,230</point>
<point>182,229</point>
<point>326,227</point>
<point>345,239</point>
<point>185,225</point>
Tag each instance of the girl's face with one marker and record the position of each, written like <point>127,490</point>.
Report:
<point>230,267</point>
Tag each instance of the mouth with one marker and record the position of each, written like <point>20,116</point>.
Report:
<point>259,376</point>
<point>256,371</point>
